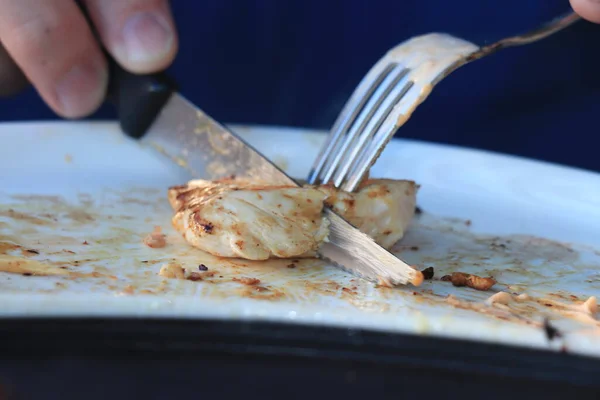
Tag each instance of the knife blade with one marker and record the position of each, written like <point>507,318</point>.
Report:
<point>151,111</point>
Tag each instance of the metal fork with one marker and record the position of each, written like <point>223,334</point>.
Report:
<point>389,93</point>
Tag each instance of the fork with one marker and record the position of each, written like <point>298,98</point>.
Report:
<point>394,87</point>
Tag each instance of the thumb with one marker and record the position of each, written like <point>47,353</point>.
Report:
<point>588,9</point>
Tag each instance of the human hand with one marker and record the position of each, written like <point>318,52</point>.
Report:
<point>588,9</point>
<point>52,44</point>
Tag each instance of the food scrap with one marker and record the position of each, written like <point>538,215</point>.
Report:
<point>469,280</point>
<point>194,277</point>
<point>129,289</point>
<point>247,281</point>
<point>27,267</point>
<point>523,297</point>
<point>550,331</point>
<point>588,307</point>
<point>428,273</point>
<point>156,239</point>
<point>499,298</point>
<point>202,267</point>
<point>172,270</point>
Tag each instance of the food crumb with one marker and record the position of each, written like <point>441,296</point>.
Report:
<point>590,306</point>
<point>247,281</point>
<point>85,242</point>
<point>551,332</point>
<point>33,251</point>
<point>68,158</point>
<point>156,239</point>
<point>499,298</point>
<point>468,222</point>
<point>414,248</point>
<point>452,300</point>
<point>202,267</point>
<point>128,289</point>
<point>194,276</point>
<point>172,270</point>
<point>428,273</point>
<point>291,266</point>
<point>472,281</point>
<point>523,297</point>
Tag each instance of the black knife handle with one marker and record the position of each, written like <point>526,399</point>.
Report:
<point>137,98</point>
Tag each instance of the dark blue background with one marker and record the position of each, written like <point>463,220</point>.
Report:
<point>295,62</point>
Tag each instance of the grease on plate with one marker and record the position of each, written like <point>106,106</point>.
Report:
<point>94,245</point>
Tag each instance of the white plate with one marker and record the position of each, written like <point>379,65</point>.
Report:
<point>112,192</point>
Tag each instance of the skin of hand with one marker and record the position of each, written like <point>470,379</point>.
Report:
<point>588,9</point>
<point>50,44</point>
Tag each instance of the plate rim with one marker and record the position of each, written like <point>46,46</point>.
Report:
<point>503,158</point>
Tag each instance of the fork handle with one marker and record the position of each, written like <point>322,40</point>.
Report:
<point>138,98</point>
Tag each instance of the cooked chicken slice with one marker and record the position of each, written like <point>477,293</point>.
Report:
<point>256,221</point>
<point>232,218</point>
<point>381,208</point>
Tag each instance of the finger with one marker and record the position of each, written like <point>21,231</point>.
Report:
<point>53,45</point>
<point>140,34</point>
<point>12,79</point>
<point>588,9</point>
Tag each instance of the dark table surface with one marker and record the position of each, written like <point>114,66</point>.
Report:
<point>152,359</point>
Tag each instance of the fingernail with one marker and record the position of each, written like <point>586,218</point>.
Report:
<point>81,89</point>
<point>148,38</point>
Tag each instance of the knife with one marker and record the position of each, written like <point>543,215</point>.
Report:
<point>150,110</point>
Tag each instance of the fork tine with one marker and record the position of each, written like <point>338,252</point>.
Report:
<point>387,96</point>
<point>356,102</point>
<point>362,122</point>
<point>395,117</point>
<point>355,152</point>
<point>349,155</point>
